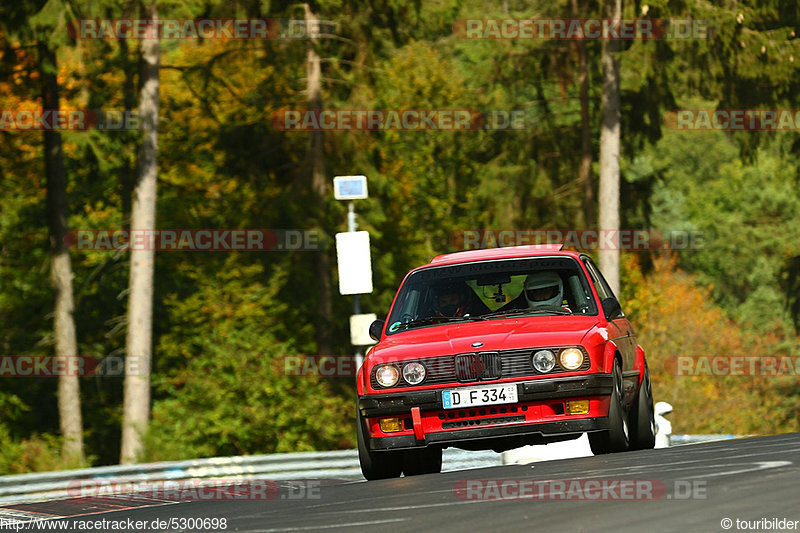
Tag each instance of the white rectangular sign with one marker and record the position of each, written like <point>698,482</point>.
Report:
<point>471,396</point>
<point>353,258</point>
<point>359,329</point>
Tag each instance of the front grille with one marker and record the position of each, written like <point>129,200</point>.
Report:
<point>475,366</point>
<point>478,366</point>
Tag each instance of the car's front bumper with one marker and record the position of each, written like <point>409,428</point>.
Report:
<point>539,413</point>
<point>455,437</point>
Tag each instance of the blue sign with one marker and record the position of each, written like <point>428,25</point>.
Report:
<point>350,187</point>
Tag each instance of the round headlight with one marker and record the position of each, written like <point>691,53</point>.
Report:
<point>571,358</point>
<point>387,375</point>
<point>544,360</point>
<point>413,373</point>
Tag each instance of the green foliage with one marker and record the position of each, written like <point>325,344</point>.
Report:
<point>32,452</point>
<point>676,316</point>
<point>743,214</point>
<point>226,392</point>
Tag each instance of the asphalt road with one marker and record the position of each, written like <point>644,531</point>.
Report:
<point>683,489</point>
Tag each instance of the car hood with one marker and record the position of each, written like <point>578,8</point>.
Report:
<point>496,334</point>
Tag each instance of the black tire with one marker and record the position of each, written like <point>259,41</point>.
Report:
<point>643,427</point>
<point>616,438</point>
<point>425,461</point>
<point>376,465</point>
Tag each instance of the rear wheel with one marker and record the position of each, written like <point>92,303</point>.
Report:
<point>643,428</point>
<point>425,461</point>
<point>616,438</point>
<point>376,465</point>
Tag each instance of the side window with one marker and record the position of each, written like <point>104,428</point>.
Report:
<point>600,284</point>
<point>410,305</point>
<point>582,299</point>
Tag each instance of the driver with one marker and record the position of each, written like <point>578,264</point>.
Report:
<point>450,300</point>
<point>544,289</point>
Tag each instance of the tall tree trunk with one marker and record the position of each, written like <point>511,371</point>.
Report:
<point>585,169</point>
<point>139,342</point>
<point>129,98</point>
<point>609,152</point>
<point>66,343</point>
<point>315,159</point>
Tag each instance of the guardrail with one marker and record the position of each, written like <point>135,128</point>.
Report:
<point>680,440</point>
<point>342,464</point>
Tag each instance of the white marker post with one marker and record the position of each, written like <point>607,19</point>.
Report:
<point>353,257</point>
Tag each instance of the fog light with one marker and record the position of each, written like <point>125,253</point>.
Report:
<point>571,358</point>
<point>390,425</point>
<point>578,407</point>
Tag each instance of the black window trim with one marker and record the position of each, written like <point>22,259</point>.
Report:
<point>594,271</point>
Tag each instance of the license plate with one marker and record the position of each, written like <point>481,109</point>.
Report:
<point>471,396</point>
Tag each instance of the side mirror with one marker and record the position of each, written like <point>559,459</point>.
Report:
<point>375,329</point>
<point>611,308</point>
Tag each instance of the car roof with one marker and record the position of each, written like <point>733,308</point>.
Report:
<point>506,252</point>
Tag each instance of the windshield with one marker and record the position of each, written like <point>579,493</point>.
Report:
<point>492,289</point>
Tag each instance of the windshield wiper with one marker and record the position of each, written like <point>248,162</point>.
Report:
<point>555,310</point>
<point>501,312</point>
<point>507,312</point>
<point>431,320</point>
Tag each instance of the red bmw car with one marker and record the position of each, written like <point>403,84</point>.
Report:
<point>496,349</point>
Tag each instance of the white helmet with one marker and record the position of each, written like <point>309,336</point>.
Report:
<point>544,289</point>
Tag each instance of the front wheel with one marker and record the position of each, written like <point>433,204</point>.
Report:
<point>425,461</point>
<point>644,423</point>
<point>376,465</point>
<point>616,437</point>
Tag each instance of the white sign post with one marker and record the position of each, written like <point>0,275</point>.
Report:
<point>359,329</point>
<point>350,188</point>
<point>353,258</point>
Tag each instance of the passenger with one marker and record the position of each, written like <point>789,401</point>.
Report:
<point>544,290</point>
